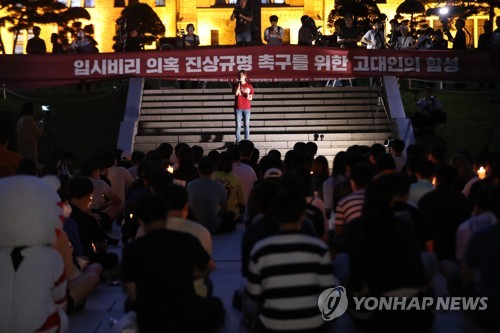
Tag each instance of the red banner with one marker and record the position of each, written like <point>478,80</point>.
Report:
<point>264,63</point>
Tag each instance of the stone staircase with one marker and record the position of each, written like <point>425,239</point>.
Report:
<point>335,118</point>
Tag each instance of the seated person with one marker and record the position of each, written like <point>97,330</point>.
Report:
<point>480,273</point>
<point>282,289</point>
<point>208,200</point>
<point>263,224</point>
<point>106,204</point>
<point>177,197</point>
<point>159,270</point>
<point>92,237</point>
<point>231,183</point>
<point>385,261</point>
<point>81,281</point>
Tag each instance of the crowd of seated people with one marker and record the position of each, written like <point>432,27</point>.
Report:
<point>383,222</point>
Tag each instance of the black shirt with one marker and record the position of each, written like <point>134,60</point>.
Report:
<point>161,264</point>
<point>349,33</point>
<point>243,25</point>
<point>88,229</point>
<point>419,224</point>
<point>445,208</point>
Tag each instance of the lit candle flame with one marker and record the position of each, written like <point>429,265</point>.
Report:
<point>170,169</point>
<point>93,247</point>
<point>481,173</point>
<point>131,216</point>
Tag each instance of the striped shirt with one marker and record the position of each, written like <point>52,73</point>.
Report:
<point>287,273</point>
<point>349,208</point>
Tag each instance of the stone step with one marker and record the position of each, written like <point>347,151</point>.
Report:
<point>228,90</point>
<point>288,129</point>
<point>257,115</point>
<point>260,96</point>
<point>336,117</point>
<point>275,102</point>
<point>328,137</point>
<point>262,109</point>
<point>258,123</point>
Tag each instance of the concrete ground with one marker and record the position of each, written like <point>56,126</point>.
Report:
<point>107,302</point>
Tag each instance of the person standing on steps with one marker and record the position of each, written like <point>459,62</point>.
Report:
<point>243,14</point>
<point>243,92</point>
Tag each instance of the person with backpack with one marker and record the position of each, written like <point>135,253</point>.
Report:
<point>273,35</point>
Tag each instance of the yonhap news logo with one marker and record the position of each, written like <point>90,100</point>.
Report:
<point>333,303</point>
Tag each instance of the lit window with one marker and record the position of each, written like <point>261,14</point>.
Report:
<point>89,3</point>
<point>160,3</point>
<point>76,3</point>
<point>65,2</point>
<point>233,2</point>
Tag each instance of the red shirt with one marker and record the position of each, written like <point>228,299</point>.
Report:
<point>242,102</point>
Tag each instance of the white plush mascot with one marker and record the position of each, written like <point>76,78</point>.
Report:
<point>32,280</point>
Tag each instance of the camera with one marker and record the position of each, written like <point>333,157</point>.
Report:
<point>237,11</point>
<point>388,142</point>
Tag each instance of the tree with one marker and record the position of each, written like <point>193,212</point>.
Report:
<point>364,11</point>
<point>24,14</point>
<point>415,8</point>
<point>71,17</point>
<point>141,17</point>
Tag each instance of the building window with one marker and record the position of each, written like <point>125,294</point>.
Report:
<point>65,2</point>
<point>286,37</point>
<point>89,3</point>
<point>232,2</point>
<point>76,3</point>
<point>214,37</point>
<point>119,3</point>
<point>20,44</point>
<point>160,3</point>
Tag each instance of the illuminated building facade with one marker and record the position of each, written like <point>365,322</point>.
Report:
<point>211,19</point>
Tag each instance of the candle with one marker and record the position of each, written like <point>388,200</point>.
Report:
<point>170,169</point>
<point>481,173</point>
<point>131,216</point>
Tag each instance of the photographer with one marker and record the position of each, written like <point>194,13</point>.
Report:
<point>308,32</point>
<point>28,132</point>
<point>274,34</point>
<point>374,39</point>
<point>438,42</point>
<point>394,34</point>
<point>243,15</point>
<point>424,41</point>
<point>134,41</point>
<point>460,39</point>
<point>431,111</point>
<point>190,40</point>
<point>349,35</point>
